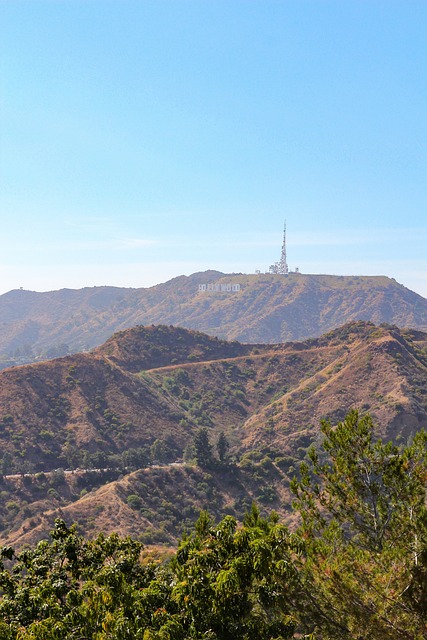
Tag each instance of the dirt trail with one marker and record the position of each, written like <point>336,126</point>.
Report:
<point>249,356</point>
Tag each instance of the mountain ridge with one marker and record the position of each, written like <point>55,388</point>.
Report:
<point>268,309</point>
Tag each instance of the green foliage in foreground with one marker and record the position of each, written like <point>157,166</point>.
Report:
<point>356,568</point>
<point>364,530</point>
<point>224,582</point>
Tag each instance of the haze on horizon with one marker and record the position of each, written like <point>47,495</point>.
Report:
<point>145,140</point>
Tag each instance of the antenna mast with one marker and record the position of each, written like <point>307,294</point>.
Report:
<point>283,265</point>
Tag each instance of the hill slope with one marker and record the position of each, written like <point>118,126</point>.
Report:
<point>57,412</point>
<point>268,309</point>
<point>141,397</point>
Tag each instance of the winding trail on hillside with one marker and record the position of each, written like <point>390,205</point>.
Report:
<point>257,356</point>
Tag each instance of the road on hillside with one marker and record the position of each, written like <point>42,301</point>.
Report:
<point>67,472</point>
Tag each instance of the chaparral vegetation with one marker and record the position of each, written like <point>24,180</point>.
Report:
<point>353,567</point>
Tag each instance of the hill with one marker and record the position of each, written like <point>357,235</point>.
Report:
<point>267,308</point>
<point>137,401</point>
<point>79,408</point>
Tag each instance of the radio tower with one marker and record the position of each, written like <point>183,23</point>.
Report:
<point>281,267</point>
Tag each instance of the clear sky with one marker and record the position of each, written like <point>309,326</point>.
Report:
<point>144,139</point>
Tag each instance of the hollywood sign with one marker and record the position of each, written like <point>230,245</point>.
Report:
<point>219,287</point>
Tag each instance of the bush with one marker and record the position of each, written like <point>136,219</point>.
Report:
<point>134,501</point>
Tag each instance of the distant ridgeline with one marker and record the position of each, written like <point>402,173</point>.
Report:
<point>216,287</point>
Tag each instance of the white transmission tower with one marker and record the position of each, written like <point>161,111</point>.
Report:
<point>281,267</point>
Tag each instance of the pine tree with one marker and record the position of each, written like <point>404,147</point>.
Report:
<point>364,535</point>
<point>222,446</point>
<point>203,449</point>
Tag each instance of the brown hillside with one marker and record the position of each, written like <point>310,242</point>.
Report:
<point>144,348</point>
<point>153,505</point>
<point>267,309</point>
<point>379,371</point>
<point>80,403</point>
<point>53,413</point>
<point>141,397</point>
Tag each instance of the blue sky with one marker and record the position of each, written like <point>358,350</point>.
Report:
<point>143,139</point>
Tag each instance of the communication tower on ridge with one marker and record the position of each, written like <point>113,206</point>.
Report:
<point>281,267</point>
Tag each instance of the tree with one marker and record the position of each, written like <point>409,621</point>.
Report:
<point>222,446</point>
<point>188,453</point>
<point>233,583</point>
<point>158,451</point>
<point>226,583</point>
<point>203,449</point>
<point>7,463</point>
<point>73,588</point>
<point>364,535</point>
<point>71,455</point>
